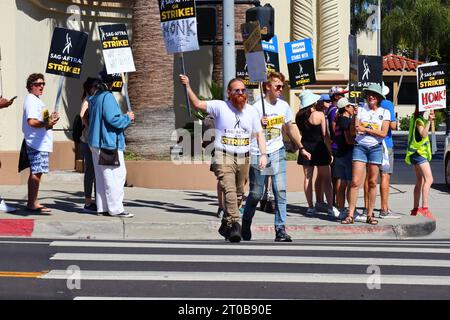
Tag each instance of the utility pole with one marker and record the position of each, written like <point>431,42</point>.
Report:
<point>229,57</point>
<point>379,28</point>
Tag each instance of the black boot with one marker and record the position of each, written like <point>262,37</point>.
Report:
<point>246,231</point>
<point>225,229</point>
<point>235,232</point>
<point>281,235</point>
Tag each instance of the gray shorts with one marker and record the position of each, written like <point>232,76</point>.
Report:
<point>391,162</point>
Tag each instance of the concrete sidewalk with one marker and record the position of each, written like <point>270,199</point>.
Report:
<point>190,215</point>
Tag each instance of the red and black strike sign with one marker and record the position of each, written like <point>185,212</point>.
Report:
<point>67,53</point>
<point>432,87</point>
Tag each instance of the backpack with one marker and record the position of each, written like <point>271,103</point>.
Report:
<point>77,129</point>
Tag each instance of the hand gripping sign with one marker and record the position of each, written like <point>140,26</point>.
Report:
<point>179,26</point>
<point>66,56</point>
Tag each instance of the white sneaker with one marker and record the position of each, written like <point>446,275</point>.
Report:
<point>322,207</point>
<point>310,212</point>
<point>333,212</point>
<point>5,208</point>
<point>360,217</point>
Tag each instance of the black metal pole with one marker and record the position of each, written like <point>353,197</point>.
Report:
<point>183,71</point>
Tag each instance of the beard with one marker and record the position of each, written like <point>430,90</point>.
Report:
<point>239,101</point>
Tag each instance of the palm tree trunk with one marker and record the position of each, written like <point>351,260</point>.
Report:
<point>151,87</point>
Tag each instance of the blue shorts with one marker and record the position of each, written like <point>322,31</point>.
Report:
<point>372,155</point>
<point>38,160</point>
<point>343,167</point>
<point>417,159</point>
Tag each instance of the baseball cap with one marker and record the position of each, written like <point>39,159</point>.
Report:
<point>325,97</point>
<point>343,102</point>
<point>337,90</point>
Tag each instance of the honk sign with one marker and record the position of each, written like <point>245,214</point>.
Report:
<point>432,87</point>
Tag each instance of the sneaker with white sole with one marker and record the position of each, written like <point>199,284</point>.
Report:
<point>321,207</point>
<point>123,215</point>
<point>388,215</point>
<point>310,212</point>
<point>5,208</point>
<point>360,217</point>
<point>333,212</point>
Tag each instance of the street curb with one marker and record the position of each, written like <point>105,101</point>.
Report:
<point>125,229</point>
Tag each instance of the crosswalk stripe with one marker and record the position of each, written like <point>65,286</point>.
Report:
<point>88,298</point>
<point>251,277</point>
<point>246,247</point>
<point>250,259</point>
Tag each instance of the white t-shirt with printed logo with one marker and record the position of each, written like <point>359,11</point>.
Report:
<point>374,120</point>
<point>278,115</point>
<point>39,139</point>
<point>234,129</point>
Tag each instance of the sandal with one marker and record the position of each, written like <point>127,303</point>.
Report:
<point>371,220</point>
<point>39,209</point>
<point>348,220</point>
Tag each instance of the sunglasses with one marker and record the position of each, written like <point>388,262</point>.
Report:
<point>279,87</point>
<point>36,84</point>
<point>239,91</point>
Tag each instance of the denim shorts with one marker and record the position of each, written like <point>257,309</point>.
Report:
<point>417,159</point>
<point>372,155</point>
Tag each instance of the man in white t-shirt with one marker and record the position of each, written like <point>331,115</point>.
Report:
<point>37,127</point>
<point>5,103</point>
<point>235,124</point>
<point>276,118</point>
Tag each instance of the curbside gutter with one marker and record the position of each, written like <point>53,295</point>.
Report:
<point>125,229</point>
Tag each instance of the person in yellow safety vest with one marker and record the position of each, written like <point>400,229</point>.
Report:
<point>418,153</point>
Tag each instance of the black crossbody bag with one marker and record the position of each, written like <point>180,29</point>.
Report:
<point>107,157</point>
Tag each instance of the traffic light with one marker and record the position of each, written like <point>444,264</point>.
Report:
<point>206,24</point>
<point>266,17</point>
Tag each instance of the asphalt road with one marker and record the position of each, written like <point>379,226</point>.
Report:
<point>404,174</point>
<point>308,269</point>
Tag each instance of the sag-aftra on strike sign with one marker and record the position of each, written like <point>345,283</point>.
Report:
<point>67,53</point>
<point>116,49</point>
<point>432,87</point>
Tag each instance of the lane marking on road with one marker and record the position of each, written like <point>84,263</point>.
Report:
<point>25,242</point>
<point>251,259</point>
<point>14,274</point>
<point>287,247</point>
<point>259,277</point>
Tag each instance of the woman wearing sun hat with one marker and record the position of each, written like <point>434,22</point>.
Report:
<point>371,126</point>
<point>316,150</point>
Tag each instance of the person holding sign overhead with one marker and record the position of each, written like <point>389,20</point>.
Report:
<point>236,123</point>
<point>276,120</point>
<point>37,128</point>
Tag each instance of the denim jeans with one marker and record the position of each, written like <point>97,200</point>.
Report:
<point>276,168</point>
